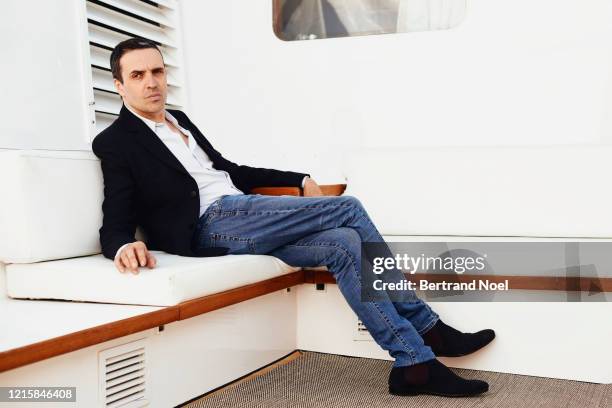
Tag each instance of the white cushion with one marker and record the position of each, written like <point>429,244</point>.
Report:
<point>51,205</point>
<point>561,191</point>
<point>175,278</point>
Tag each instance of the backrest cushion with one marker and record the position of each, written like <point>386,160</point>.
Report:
<point>51,206</point>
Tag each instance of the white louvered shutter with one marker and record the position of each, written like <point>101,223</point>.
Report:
<point>112,21</point>
<point>123,376</point>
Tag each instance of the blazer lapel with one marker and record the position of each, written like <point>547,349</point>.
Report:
<point>149,140</point>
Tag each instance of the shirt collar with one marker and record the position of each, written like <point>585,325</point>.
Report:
<point>153,125</point>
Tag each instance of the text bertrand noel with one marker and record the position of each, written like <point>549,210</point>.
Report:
<point>424,284</point>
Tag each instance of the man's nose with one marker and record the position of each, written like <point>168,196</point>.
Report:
<point>151,82</point>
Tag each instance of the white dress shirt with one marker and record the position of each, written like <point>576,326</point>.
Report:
<point>212,183</point>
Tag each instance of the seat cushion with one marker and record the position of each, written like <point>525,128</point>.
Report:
<point>175,279</point>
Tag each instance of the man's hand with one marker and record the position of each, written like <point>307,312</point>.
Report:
<point>133,255</point>
<point>311,188</point>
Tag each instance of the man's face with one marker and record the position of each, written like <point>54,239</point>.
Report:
<point>144,85</point>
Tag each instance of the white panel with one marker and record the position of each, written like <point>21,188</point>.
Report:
<point>228,343</point>
<point>76,369</point>
<point>513,73</point>
<point>555,191</point>
<point>43,92</point>
<point>543,353</point>
<point>2,280</point>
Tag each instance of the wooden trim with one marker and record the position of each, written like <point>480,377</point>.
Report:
<point>216,301</point>
<point>333,189</point>
<point>277,191</point>
<point>563,283</point>
<point>84,338</point>
<point>326,189</point>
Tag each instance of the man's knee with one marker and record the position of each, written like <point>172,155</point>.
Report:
<point>344,250</point>
<point>351,201</point>
<point>349,240</point>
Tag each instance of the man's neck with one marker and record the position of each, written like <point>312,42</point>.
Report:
<point>158,117</point>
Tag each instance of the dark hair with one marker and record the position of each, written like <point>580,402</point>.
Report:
<point>125,46</point>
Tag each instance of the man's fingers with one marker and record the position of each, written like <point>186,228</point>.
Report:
<point>129,260</point>
<point>119,264</point>
<point>133,256</point>
<point>142,257</point>
<point>125,260</point>
<point>151,261</point>
<point>133,260</point>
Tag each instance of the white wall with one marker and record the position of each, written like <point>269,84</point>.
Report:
<point>44,103</point>
<point>2,280</point>
<point>543,353</point>
<point>521,72</point>
<point>514,73</point>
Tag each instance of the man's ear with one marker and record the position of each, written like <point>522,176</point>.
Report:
<point>119,87</point>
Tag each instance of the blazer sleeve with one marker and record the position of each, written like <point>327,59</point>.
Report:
<point>119,221</point>
<point>250,177</point>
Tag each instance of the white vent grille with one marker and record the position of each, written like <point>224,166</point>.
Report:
<point>112,21</point>
<point>361,327</point>
<point>123,376</point>
<point>362,332</point>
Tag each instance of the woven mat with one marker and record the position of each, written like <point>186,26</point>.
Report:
<point>327,380</point>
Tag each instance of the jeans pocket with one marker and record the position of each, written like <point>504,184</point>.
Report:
<point>236,245</point>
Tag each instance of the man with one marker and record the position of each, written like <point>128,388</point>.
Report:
<point>161,173</point>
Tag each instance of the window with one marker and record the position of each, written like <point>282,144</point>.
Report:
<point>314,19</point>
<point>112,21</point>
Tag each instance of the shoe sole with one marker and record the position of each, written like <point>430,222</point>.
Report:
<point>465,354</point>
<point>411,394</point>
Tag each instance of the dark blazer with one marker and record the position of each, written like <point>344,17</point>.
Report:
<point>146,185</point>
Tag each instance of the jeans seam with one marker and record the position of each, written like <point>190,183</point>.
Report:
<point>398,336</point>
<point>308,207</point>
<point>215,237</point>
<point>429,325</point>
<point>389,325</point>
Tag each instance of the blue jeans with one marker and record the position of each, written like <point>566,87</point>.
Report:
<point>315,231</point>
